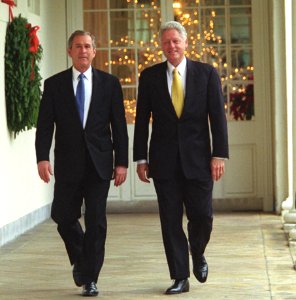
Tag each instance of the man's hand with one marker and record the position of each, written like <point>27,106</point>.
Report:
<point>44,170</point>
<point>143,172</point>
<point>120,173</point>
<point>217,168</point>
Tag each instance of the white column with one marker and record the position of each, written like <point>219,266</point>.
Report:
<point>278,77</point>
<point>288,206</point>
<point>291,215</point>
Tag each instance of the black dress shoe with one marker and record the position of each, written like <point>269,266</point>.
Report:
<point>77,276</point>
<point>179,286</point>
<point>200,268</point>
<point>90,289</point>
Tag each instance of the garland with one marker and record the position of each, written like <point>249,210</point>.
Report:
<point>22,78</point>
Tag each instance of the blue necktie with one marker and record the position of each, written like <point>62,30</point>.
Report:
<point>80,97</point>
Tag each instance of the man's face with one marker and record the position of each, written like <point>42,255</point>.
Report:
<point>82,52</point>
<point>173,46</point>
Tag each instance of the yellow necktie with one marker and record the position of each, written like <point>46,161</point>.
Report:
<point>177,93</point>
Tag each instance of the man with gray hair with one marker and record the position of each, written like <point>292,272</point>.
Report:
<point>184,99</point>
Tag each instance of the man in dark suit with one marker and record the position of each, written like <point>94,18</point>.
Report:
<point>87,114</point>
<point>181,161</point>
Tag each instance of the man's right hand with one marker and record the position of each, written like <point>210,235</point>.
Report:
<point>45,170</point>
<point>143,171</point>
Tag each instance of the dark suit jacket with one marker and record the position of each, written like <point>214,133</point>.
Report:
<point>188,137</point>
<point>105,131</point>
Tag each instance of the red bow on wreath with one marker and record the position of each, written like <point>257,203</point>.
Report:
<point>11,5</point>
<point>33,44</point>
<point>34,41</point>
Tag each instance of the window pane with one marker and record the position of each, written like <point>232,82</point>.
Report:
<point>200,24</point>
<point>101,60</point>
<point>240,2</point>
<point>129,96</point>
<point>119,4</point>
<point>122,28</point>
<point>123,66</point>
<point>186,3</point>
<point>148,57</point>
<point>147,26</point>
<point>240,30</point>
<point>241,57</point>
<point>212,25</point>
<point>216,56</point>
<point>220,25</point>
<point>95,4</point>
<point>211,2</point>
<point>130,4</point>
<point>97,24</point>
<point>147,3</point>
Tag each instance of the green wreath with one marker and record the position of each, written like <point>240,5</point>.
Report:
<point>22,78</point>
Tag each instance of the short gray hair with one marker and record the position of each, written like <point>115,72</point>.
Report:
<point>173,25</point>
<point>78,33</point>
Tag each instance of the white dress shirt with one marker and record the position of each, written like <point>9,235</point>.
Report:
<point>88,89</point>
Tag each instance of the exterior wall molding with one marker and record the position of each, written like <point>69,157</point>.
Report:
<point>27,222</point>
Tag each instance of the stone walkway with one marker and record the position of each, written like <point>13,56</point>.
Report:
<point>248,258</point>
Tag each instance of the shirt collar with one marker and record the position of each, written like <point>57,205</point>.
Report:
<point>87,73</point>
<point>181,67</point>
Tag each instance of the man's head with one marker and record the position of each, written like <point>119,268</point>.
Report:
<point>82,49</point>
<point>173,40</point>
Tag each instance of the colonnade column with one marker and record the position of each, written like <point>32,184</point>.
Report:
<point>289,216</point>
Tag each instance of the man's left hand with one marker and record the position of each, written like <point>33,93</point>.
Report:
<point>120,173</point>
<point>217,168</point>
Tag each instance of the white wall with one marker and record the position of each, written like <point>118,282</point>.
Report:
<point>22,192</point>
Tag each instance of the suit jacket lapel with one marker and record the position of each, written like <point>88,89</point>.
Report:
<point>164,91</point>
<point>71,95</point>
<point>67,85</point>
<point>67,93</point>
<point>96,96</point>
<point>191,86</point>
